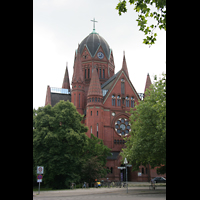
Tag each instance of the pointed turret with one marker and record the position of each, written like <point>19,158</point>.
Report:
<point>148,83</point>
<point>78,73</point>
<point>78,85</point>
<point>66,84</point>
<point>94,110</point>
<point>48,96</point>
<point>124,66</point>
<point>95,86</point>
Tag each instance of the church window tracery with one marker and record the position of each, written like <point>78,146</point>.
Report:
<point>122,126</point>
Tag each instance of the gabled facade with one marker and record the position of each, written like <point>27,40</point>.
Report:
<point>104,98</point>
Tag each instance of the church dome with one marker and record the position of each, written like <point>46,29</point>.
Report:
<point>93,41</point>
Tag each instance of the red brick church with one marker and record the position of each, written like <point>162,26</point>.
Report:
<point>103,97</point>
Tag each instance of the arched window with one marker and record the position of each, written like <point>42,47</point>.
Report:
<point>122,86</point>
<point>111,170</point>
<point>91,113</point>
<point>113,100</point>
<point>88,73</point>
<point>127,101</point>
<point>118,100</point>
<point>132,102</point>
<point>97,112</point>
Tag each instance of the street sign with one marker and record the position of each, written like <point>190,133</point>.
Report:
<point>39,180</point>
<point>40,170</point>
<point>39,176</point>
<point>121,167</point>
<point>139,174</point>
<point>129,165</point>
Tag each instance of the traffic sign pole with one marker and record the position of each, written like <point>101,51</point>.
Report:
<point>39,188</point>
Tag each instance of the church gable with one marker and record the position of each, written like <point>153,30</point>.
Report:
<point>86,54</point>
<point>100,54</point>
<point>121,87</point>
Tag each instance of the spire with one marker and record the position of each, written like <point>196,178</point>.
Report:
<point>95,86</point>
<point>66,84</point>
<point>124,66</point>
<point>148,82</point>
<point>78,73</point>
<point>48,96</point>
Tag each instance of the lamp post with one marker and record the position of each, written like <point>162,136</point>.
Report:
<point>126,162</point>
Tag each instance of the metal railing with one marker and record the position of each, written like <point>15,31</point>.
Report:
<point>60,90</point>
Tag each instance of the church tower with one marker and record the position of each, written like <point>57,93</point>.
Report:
<point>78,85</point>
<point>94,108</point>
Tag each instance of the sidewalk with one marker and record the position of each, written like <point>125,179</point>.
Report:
<point>86,191</point>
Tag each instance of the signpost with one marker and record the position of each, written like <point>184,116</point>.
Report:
<point>125,162</point>
<point>40,170</point>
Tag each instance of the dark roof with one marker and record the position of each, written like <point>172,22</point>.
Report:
<point>93,41</point>
<point>114,155</point>
<point>109,80</point>
<point>56,97</point>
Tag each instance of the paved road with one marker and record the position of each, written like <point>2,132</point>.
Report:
<point>136,193</point>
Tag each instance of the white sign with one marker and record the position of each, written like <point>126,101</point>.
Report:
<point>39,180</point>
<point>129,165</point>
<point>139,174</point>
<point>121,167</point>
<point>40,170</point>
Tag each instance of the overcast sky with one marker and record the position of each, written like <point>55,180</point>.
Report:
<point>58,27</point>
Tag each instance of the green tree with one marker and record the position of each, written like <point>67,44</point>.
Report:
<point>62,147</point>
<point>94,159</point>
<point>147,143</point>
<point>141,6</point>
<point>58,142</point>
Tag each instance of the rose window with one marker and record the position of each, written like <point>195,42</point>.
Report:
<point>122,126</point>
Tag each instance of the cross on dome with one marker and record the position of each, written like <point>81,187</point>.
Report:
<point>93,23</point>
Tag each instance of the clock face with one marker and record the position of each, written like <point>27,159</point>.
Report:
<point>100,55</point>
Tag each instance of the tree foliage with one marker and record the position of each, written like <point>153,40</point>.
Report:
<point>147,143</point>
<point>141,6</point>
<point>60,144</point>
<point>95,154</point>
